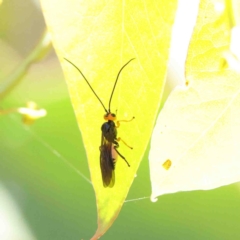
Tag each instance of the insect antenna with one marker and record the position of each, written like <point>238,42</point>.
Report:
<point>88,83</point>
<point>116,82</point>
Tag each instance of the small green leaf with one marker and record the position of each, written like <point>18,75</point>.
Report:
<point>99,37</point>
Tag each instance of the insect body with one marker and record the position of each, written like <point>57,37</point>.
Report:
<point>109,141</point>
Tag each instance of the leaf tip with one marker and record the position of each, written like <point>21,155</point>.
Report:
<point>154,199</point>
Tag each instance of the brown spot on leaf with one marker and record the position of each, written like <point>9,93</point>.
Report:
<point>167,164</point>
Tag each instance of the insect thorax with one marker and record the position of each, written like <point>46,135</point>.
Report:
<point>109,130</point>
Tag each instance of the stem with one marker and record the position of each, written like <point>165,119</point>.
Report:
<point>40,51</point>
<point>8,111</point>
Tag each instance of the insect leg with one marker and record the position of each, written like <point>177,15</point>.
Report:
<point>119,139</point>
<point>118,122</point>
<point>115,148</point>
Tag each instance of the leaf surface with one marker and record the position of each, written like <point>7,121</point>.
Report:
<point>197,135</point>
<point>100,37</point>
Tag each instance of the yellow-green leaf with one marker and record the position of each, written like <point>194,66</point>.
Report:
<point>99,37</point>
<point>199,127</point>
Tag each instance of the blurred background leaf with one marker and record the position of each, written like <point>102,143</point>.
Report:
<point>201,144</point>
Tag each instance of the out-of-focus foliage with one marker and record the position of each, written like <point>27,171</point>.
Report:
<point>203,143</point>
<point>43,167</point>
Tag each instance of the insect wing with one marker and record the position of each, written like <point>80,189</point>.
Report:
<point>107,163</point>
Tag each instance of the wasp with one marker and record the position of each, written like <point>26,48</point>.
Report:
<point>109,140</point>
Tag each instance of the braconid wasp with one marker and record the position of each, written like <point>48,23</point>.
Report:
<point>109,142</point>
